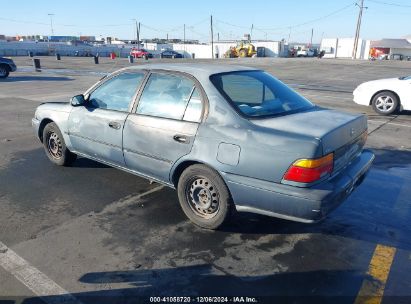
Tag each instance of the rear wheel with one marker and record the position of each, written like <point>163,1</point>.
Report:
<point>385,103</point>
<point>55,146</point>
<point>4,71</point>
<point>203,196</point>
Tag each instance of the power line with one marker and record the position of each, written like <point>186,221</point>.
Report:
<point>312,20</point>
<point>390,3</point>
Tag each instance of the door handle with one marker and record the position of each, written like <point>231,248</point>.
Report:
<point>114,125</point>
<point>181,139</point>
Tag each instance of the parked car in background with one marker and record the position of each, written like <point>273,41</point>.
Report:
<point>7,65</point>
<point>386,96</point>
<point>140,53</point>
<point>226,137</point>
<point>170,54</point>
<point>305,53</point>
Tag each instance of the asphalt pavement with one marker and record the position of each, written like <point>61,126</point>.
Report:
<point>90,233</point>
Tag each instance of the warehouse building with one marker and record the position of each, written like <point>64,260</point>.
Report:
<point>391,48</point>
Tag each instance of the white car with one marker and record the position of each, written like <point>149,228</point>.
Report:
<point>385,95</point>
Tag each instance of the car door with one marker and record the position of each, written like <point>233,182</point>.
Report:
<point>96,128</point>
<point>164,125</point>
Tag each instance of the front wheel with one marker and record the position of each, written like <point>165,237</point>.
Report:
<point>55,146</point>
<point>4,71</point>
<point>385,103</point>
<point>203,196</point>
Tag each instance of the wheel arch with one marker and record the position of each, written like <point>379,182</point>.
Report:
<point>179,169</point>
<point>386,90</point>
<point>43,124</point>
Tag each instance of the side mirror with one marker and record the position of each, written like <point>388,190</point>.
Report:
<point>77,100</point>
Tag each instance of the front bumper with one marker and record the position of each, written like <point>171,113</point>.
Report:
<point>13,67</point>
<point>35,123</point>
<point>306,205</point>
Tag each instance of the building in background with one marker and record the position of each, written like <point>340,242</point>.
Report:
<point>344,47</point>
<point>391,49</point>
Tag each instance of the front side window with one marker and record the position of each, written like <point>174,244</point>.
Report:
<point>258,94</point>
<point>170,96</point>
<point>117,92</point>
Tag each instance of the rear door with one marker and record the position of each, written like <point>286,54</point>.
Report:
<point>164,125</point>
<point>96,128</point>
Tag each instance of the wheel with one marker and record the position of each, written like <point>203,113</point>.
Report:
<point>4,71</point>
<point>203,196</point>
<point>385,103</point>
<point>243,53</point>
<point>55,146</point>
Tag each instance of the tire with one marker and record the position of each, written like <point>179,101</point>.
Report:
<point>4,71</point>
<point>55,146</point>
<point>204,197</point>
<point>242,53</point>
<point>385,103</point>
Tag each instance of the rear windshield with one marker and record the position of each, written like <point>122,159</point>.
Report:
<point>258,94</point>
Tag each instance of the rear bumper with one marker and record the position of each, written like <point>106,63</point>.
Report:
<point>306,205</point>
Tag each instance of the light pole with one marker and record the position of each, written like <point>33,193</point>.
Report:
<point>51,23</point>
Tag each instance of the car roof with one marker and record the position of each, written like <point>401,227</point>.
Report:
<point>196,69</point>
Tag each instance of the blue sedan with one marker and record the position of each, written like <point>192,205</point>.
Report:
<point>227,138</point>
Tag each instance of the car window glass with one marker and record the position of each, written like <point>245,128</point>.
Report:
<point>165,95</point>
<point>246,89</point>
<point>258,94</point>
<point>194,108</point>
<point>116,93</point>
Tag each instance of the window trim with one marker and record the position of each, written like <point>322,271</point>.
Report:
<point>197,85</point>
<point>90,91</point>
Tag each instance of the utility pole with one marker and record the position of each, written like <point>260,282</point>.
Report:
<point>357,31</point>
<point>138,34</point>
<point>184,38</point>
<point>212,37</point>
<point>51,23</point>
<point>311,40</point>
<point>289,35</point>
<point>251,32</point>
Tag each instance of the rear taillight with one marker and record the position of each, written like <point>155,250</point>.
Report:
<point>310,170</point>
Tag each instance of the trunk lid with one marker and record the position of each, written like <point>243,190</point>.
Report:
<point>344,134</point>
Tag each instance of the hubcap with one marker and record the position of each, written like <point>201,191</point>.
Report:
<point>54,145</point>
<point>2,71</point>
<point>384,103</point>
<point>203,197</point>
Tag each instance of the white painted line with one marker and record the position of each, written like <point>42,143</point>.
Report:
<point>128,200</point>
<point>40,284</point>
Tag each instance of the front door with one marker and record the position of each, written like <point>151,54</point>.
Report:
<point>96,128</point>
<point>164,125</point>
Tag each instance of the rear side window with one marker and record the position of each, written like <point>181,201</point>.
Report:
<point>170,96</point>
<point>258,94</point>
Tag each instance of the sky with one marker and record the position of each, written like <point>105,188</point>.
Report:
<point>273,19</point>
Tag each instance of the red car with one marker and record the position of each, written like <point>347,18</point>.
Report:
<point>140,53</point>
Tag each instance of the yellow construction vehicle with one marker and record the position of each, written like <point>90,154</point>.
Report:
<point>243,49</point>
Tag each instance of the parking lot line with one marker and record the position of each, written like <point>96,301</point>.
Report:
<point>372,289</point>
<point>40,284</point>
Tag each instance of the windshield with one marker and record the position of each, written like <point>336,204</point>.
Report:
<point>405,78</point>
<point>258,94</point>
